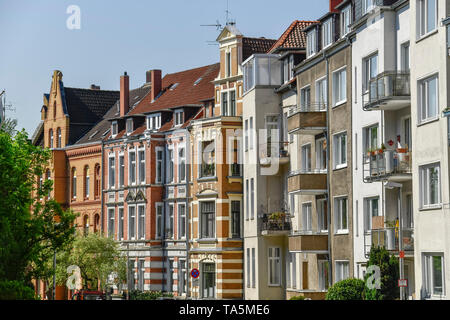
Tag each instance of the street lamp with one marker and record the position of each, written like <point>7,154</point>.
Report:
<point>391,185</point>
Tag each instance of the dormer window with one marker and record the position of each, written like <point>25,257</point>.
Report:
<point>288,68</point>
<point>367,5</point>
<point>179,118</point>
<point>311,45</point>
<point>154,122</point>
<point>346,20</point>
<point>129,126</point>
<point>327,38</point>
<point>114,129</point>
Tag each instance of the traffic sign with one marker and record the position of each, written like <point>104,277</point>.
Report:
<point>401,254</point>
<point>195,273</point>
<point>402,283</point>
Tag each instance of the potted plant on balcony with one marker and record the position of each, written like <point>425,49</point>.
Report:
<point>381,149</point>
<point>277,218</point>
<point>446,112</point>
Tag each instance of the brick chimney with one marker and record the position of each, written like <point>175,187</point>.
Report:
<point>124,94</point>
<point>156,80</point>
<point>333,4</point>
<point>95,87</point>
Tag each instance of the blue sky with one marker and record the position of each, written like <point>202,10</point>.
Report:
<point>118,36</point>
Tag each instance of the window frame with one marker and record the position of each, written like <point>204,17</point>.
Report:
<point>339,214</point>
<point>337,152</point>
<point>422,25</point>
<point>428,274</point>
<point>341,262</point>
<point>134,237</point>
<point>311,43</point>
<point>327,28</point>
<point>337,83</point>
<point>423,94</point>
<point>272,260</point>
<point>424,169</point>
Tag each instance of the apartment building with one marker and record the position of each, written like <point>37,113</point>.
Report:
<point>429,34</point>
<point>382,141</point>
<point>268,83</point>
<point>320,178</point>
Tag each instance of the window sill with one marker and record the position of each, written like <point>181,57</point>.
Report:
<point>427,121</point>
<point>431,208</point>
<point>340,103</point>
<point>207,179</point>
<point>427,35</point>
<point>207,241</point>
<point>340,167</point>
<point>341,232</point>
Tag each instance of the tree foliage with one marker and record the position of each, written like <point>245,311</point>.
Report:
<point>349,289</point>
<point>15,290</point>
<point>389,272</point>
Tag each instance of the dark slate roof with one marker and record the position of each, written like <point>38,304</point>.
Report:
<point>85,108</point>
<point>97,133</point>
<point>255,45</point>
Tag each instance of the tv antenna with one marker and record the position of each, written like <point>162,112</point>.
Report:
<point>219,26</point>
<point>5,106</point>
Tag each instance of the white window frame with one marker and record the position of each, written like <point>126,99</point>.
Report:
<point>130,181</point>
<point>428,274</point>
<point>159,222</point>
<point>346,13</point>
<point>114,129</point>
<point>120,223</point>
<point>307,217</point>
<point>179,118</point>
<point>129,126</point>
<point>154,122</point>
<point>159,175</point>
<point>113,170</point>
<point>121,167</point>
<point>139,163</point>
<point>367,5</point>
<point>306,152</point>
<point>338,214</point>
<point>368,212</point>
<point>322,85</point>
<point>181,224</point>
<point>113,218</point>
<point>345,274</point>
<point>272,258</point>
<point>337,152</point>
<point>181,159</point>
<point>368,74</point>
<point>311,43</point>
<point>424,187</point>
<point>320,220</point>
<point>422,18</point>
<point>305,98</point>
<point>327,33</point>
<point>337,86</point>
<point>170,219</point>
<point>423,91</point>
<point>129,224</point>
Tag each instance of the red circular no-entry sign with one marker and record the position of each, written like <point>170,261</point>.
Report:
<point>195,273</point>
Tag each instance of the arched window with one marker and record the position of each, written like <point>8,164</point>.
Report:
<point>181,165</point>
<point>50,136</point>
<point>86,181</point>
<point>97,181</point>
<point>58,139</point>
<point>96,222</point>
<point>85,225</point>
<point>74,183</point>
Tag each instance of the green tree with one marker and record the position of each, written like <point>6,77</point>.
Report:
<point>97,257</point>
<point>349,289</point>
<point>389,273</point>
<point>32,227</point>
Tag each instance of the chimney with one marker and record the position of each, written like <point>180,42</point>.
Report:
<point>95,87</point>
<point>333,4</point>
<point>124,94</point>
<point>155,79</point>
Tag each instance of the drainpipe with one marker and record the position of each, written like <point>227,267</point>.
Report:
<point>101,184</point>
<point>188,175</point>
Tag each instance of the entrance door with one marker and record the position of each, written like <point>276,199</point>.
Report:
<point>208,280</point>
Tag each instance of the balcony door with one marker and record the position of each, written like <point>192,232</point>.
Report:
<point>321,155</point>
<point>322,214</point>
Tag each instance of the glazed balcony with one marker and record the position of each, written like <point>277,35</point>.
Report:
<point>390,90</point>
<point>307,183</point>
<point>272,152</point>
<point>276,224</point>
<point>310,119</point>
<point>392,165</point>
<point>308,242</point>
<point>388,238</point>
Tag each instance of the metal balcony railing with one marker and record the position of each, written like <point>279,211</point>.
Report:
<point>276,222</point>
<point>387,85</point>
<point>274,149</point>
<point>388,238</point>
<point>378,165</point>
<point>320,106</point>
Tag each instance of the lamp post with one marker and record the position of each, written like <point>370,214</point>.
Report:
<point>392,185</point>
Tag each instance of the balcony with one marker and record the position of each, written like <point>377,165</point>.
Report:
<point>309,242</point>
<point>392,165</point>
<point>272,152</point>
<point>308,183</point>
<point>388,238</point>
<point>310,119</point>
<point>390,90</point>
<point>261,70</point>
<point>276,224</point>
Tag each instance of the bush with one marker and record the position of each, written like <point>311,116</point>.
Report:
<point>297,298</point>
<point>148,295</point>
<point>15,290</point>
<point>349,289</point>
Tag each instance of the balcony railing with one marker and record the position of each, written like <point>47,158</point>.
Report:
<point>389,90</point>
<point>308,182</point>
<point>388,238</point>
<point>388,163</point>
<point>310,106</point>
<point>308,118</point>
<point>274,150</point>
<point>276,223</point>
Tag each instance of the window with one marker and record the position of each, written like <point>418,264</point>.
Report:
<point>208,280</point>
<point>181,165</point>
<point>371,209</point>
<point>428,99</point>
<point>252,198</point>
<point>86,182</point>
<point>247,201</point>
<point>111,214</point>
<point>321,155</point>
<point>286,75</point>
<point>407,132</point>
<point>114,129</point>
<point>51,138</point>
<point>292,270</point>
<point>49,177</point>
<point>251,133</point>
<point>405,57</point>
<point>208,158</point>
<point>112,172</point>
<point>321,94</point>
<point>159,165</point>
<point>159,217</point>
<point>253,268</point>
<point>182,221</point>
<point>170,222</point>
<point>141,273</point>
<point>232,112</point>
<point>327,33</point>
<point>121,224</point>
<point>340,150</point>
<point>207,216</point>
<point>367,5</point>
<point>132,167</point>
<point>121,170</point>
<point>248,267</point>
<point>346,20</point>
<point>228,64</point>
<point>129,126</point>
<point>274,266</point>
<point>141,222</point>
<point>322,213</point>
<point>342,270</point>
<point>341,215</point>
<point>131,223</point>
<point>311,43</point>
<point>246,134</point>
<point>339,87</point>
<point>74,183</point>
<point>307,217</point>
<point>306,158</point>
<point>225,103</point>
<point>323,275</point>
<point>170,176</point>
<point>154,122</point>
<point>409,213</point>
<point>305,98</point>
<point>430,193</point>
<point>371,138</point>
<point>85,225</point>
<point>141,156</point>
<point>370,71</point>
<point>179,118</point>
<point>97,181</point>
<point>59,140</point>
<point>235,219</point>
<point>182,277</point>
<point>427,20</point>
<point>170,281</point>
<point>433,274</point>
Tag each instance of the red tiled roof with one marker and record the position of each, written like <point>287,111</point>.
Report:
<point>186,93</point>
<point>293,37</point>
<point>255,45</point>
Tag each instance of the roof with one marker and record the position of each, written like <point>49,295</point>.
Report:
<point>97,132</point>
<point>85,108</point>
<point>294,37</point>
<point>255,45</point>
<point>185,93</point>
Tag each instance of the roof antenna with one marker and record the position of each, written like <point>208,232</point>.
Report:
<point>219,26</point>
